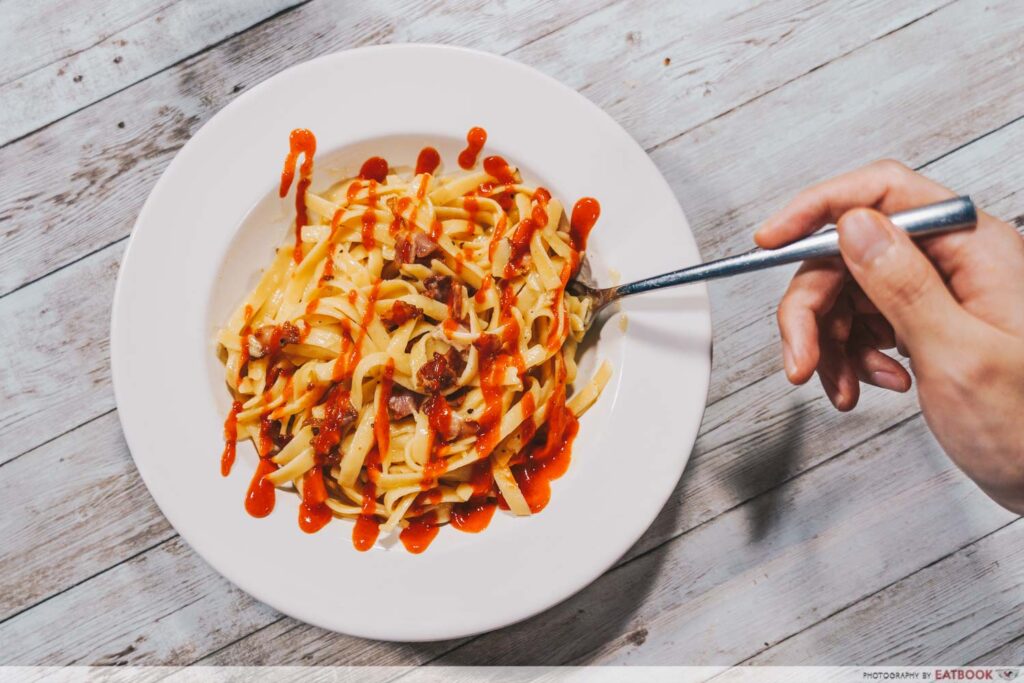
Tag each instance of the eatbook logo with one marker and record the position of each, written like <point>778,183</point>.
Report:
<point>1007,674</point>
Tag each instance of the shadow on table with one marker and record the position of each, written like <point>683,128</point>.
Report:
<point>574,630</point>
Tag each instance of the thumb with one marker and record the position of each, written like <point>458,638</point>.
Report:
<point>896,276</point>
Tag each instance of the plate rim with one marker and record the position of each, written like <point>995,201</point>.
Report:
<point>117,325</point>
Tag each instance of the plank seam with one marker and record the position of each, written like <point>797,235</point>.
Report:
<point>88,578</point>
<point>206,49</point>
<point>54,438</point>
<point>881,590</point>
<point>804,74</point>
<point>103,39</point>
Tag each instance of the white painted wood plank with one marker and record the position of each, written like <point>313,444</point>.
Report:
<point>112,169</point>
<point>719,593</point>
<point>721,54</point>
<point>1010,654</point>
<point>948,613</point>
<point>73,508</point>
<point>311,646</point>
<point>160,607</point>
<point>745,446</point>
<point>57,57</point>
<point>55,366</point>
<point>736,170</point>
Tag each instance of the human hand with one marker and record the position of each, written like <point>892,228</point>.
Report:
<point>954,306</point>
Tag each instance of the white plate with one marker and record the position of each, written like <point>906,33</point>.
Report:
<point>207,230</point>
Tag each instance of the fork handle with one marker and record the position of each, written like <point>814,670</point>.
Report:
<point>952,214</point>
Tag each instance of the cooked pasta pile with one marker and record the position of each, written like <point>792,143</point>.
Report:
<point>404,360</point>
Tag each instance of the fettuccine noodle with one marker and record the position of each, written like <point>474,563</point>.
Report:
<point>404,360</point>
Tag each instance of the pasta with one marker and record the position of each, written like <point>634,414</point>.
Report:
<point>404,360</point>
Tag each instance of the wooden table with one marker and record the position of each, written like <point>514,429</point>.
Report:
<point>797,535</point>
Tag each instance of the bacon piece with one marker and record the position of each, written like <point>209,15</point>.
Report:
<point>423,244</point>
<point>438,287</point>
<point>401,404</point>
<point>401,313</point>
<point>441,372</point>
<point>270,339</point>
<point>414,245</point>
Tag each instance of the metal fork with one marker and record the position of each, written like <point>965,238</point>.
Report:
<point>953,214</point>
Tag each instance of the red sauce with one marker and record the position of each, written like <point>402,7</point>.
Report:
<point>266,439</point>
<point>427,161</point>
<point>351,353</point>
<point>584,215</point>
<point>498,168</point>
<point>374,168</point>
<point>496,355</point>
<point>549,460</point>
<point>481,294</point>
<point>471,205</point>
<point>520,241</point>
<point>336,407</point>
<point>227,458</point>
<point>436,230</point>
<point>559,329</point>
<point>439,416</point>
<point>420,533</point>
<point>301,141</point>
<point>370,217</point>
<point>474,515</point>
<point>365,532</point>
<point>499,233</point>
<point>367,528</point>
<point>450,325</point>
<point>353,191</point>
<point>382,421</point>
<point>259,500</point>
<point>314,513</point>
<point>475,139</point>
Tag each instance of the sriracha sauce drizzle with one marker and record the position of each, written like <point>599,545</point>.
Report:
<point>301,141</point>
<point>546,450</point>
<point>475,140</point>
<point>427,161</point>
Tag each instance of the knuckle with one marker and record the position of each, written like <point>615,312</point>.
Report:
<point>892,167</point>
<point>908,286</point>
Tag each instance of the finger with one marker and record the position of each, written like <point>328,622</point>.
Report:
<point>901,348</point>
<point>811,294</point>
<point>859,300</point>
<point>838,376</point>
<point>886,185</point>
<point>838,322</point>
<point>876,368</point>
<point>897,277</point>
<point>874,330</point>
<point>982,266</point>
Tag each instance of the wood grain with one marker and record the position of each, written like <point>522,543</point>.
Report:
<point>77,186</point>
<point>721,54</point>
<point>62,378</point>
<point>718,593</point>
<point>99,156</point>
<point>75,507</point>
<point>793,528</point>
<point>1010,654</point>
<point>944,614</point>
<point>102,48</point>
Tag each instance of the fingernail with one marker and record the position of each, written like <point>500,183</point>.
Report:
<point>787,360</point>
<point>863,236</point>
<point>887,380</point>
